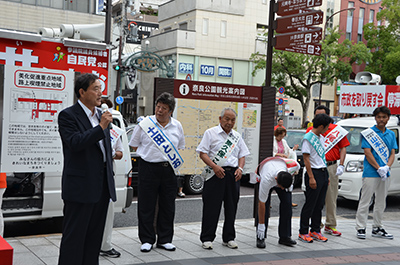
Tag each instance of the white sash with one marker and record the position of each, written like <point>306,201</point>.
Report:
<point>162,142</point>
<point>115,133</point>
<point>377,144</point>
<point>333,137</point>
<point>223,154</point>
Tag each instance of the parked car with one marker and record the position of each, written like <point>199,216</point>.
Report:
<point>292,138</point>
<point>350,182</point>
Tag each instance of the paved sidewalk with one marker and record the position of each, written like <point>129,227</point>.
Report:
<point>346,249</point>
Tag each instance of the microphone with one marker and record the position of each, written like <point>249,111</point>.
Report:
<point>104,108</point>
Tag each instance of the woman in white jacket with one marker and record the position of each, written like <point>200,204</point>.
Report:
<point>281,147</point>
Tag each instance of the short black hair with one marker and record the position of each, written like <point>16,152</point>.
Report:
<point>321,119</point>
<point>84,81</point>
<point>280,119</point>
<point>327,111</point>
<point>381,109</point>
<point>284,179</point>
<point>167,99</point>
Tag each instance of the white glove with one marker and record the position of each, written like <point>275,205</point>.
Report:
<point>261,231</point>
<point>382,171</point>
<point>339,170</point>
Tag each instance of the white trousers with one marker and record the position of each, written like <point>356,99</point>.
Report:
<point>369,187</point>
<point>108,228</point>
<point>1,213</point>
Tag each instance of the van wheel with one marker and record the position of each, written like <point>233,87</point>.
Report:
<point>194,184</point>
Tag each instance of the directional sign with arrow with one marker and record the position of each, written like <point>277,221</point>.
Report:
<point>298,38</point>
<point>286,7</point>
<point>298,22</point>
<point>311,49</point>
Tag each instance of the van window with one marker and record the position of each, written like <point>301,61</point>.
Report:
<point>354,138</point>
<point>396,132</point>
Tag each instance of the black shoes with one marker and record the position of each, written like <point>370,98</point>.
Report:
<point>111,253</point>
<point>260,243</point>
<point>287,242</point>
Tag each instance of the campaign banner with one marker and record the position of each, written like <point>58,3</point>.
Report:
<point>55,56</point>
<point>363,99</point>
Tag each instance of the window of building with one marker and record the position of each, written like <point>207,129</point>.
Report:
<point>223,28</point>
<point>379,22</point>
<point>205,26</point>
<point>350,13</point>
<point>80,6</point>
<point>371,16</point>
<point>183,26</point>
<point>359,37</point>
<point>348,35</point>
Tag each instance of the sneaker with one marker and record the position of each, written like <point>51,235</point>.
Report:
<point>332,231</point>
<point>146,247</point>
<point>380,232</point>
<point>167,246</point>
<point>230,244</point>
<point>111,253</point>
<point>207,245</point>
<point>361,234</point>
<point>318,236</point>
<point>305,238</point>
<point>181,194</point>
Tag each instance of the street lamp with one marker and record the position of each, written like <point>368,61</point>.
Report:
<point>329,18</point>
<point>326,24</point>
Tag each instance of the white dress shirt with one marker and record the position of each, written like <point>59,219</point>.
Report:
<point>212,141</point>
<point>148,150</point>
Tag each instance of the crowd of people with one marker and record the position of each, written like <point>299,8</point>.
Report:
<point>88,189</point>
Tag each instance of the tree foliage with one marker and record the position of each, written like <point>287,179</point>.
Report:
<point>299,72</point>
<point>384,42</point>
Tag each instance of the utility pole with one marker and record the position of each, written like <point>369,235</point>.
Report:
<point>107,34</point>
<point>118,89</point>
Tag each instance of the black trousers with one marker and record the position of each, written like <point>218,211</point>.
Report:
<point>285,212</point>
<point>215,192</point>
<point>315,201</point>
<point>83,228</point>
<point>157,182</point>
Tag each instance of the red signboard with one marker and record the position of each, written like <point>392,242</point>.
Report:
<point>298,38</point>
<point>54,55</point>
<point>311,49</point>
<point>393,98</point>
<point>289,7</point>
<point>298,22</point>
<point>217,91</point>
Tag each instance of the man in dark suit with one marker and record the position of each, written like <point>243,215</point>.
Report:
<point>87,178</point>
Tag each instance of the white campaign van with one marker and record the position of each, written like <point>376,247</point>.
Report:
<point>351,181</point>
<point>37,195</point>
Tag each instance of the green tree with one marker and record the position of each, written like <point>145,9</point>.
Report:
<point>384,42</point>
<point>299,72</point>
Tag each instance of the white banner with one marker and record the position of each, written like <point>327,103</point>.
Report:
<point>361,99</point>
<point>32,99</point>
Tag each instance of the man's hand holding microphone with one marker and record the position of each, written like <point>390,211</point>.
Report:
<point>106,117</point>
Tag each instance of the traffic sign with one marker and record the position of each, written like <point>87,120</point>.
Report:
<point>281,90</point>
<point>292,7</point>
<point>298,38</point>
<point>280,101</point>
<point>119,100</point>
<point>299,21</point>
<point>311,49</point>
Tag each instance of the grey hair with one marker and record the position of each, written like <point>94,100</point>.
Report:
<point>225,109</point>
<point>167,99</point>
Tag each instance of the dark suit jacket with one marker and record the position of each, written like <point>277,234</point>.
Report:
<point>83,172</point>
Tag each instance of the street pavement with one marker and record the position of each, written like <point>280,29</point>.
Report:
<point>346,249</point>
